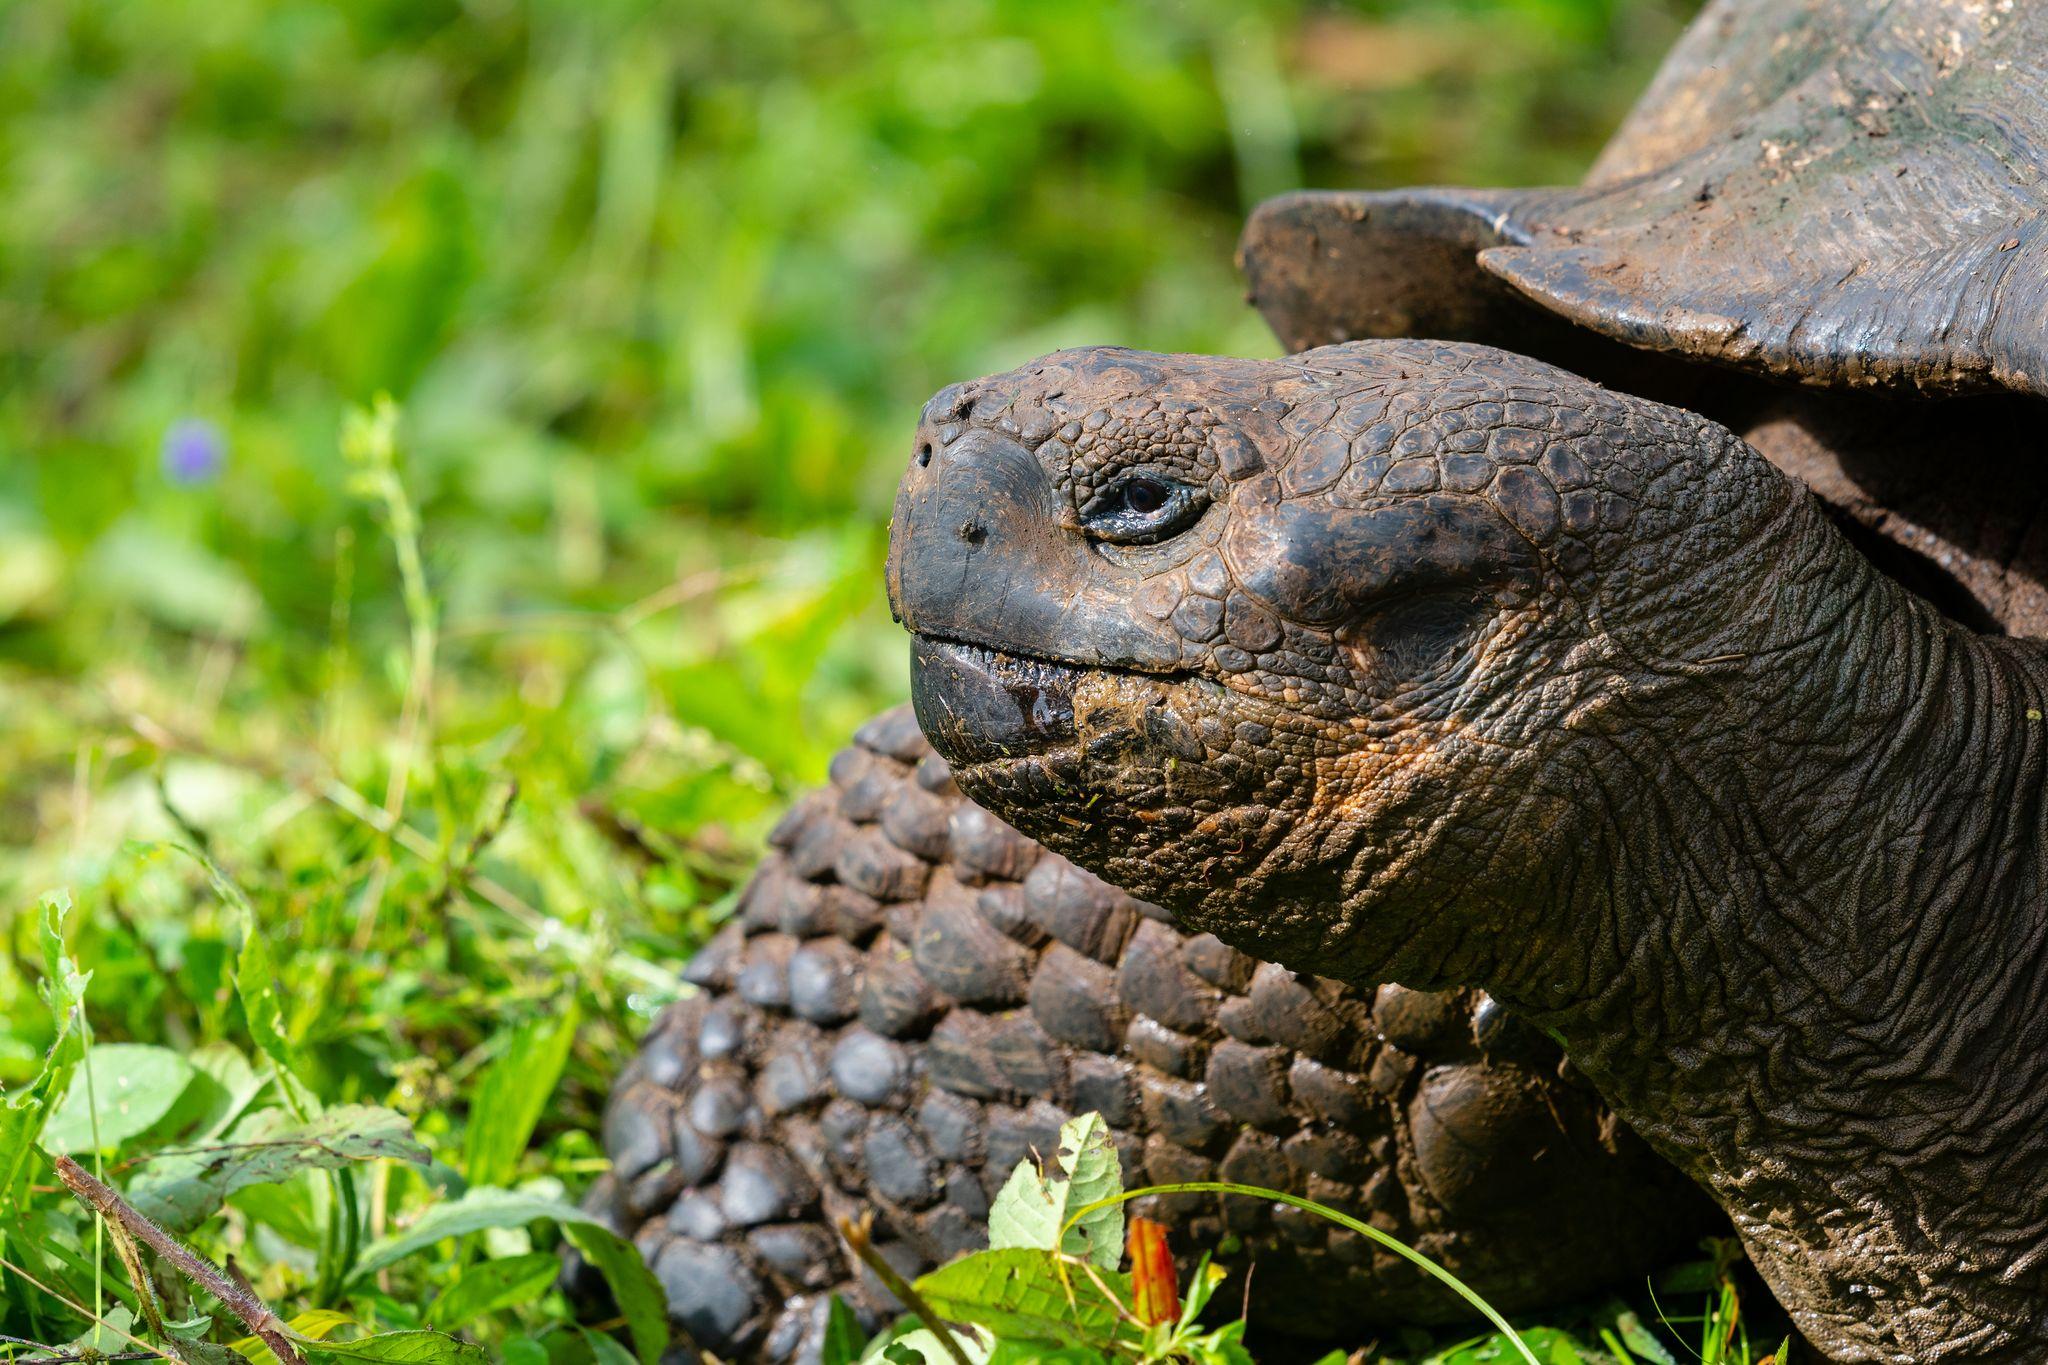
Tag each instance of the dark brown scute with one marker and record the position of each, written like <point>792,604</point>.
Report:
<point>848,1051</point>
<point>1847,193</point>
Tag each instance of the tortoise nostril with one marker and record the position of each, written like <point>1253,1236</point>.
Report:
<point>924,454</point>
<point>973,532</point>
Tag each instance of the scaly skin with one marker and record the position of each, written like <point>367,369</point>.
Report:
<point>912,998</point>
<point>1430,663</point>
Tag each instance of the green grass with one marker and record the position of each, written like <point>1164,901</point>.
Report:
<point>479,718</point>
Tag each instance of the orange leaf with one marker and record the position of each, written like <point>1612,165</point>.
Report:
<point>1154,1297</point>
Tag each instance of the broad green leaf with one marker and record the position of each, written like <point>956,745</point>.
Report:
<point>1020,1293</point>
<point>1033,1206</point>
<point>638,1294</point>
<point>921,1346</point>
<point>844,1341</point>
<point>511,1095</point>
<point>1025,1214</point>
<point>1041,1353</point>
<point>114,1332</point>
<point>491,1287</point>
<point>402,1348</point>
<point>130,1085</point>
<point>183,1189</point>
<point>522,1351</point>
<point>226,1086</point>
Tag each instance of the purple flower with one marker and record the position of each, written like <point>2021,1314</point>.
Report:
<point>193,452</point>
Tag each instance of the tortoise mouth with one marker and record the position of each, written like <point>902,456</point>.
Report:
<point>980,704</point>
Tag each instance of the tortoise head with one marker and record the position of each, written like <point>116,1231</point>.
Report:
<point>1326,654</point>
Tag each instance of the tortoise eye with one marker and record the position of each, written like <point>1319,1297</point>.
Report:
<point>1144,497</point>
<point>1140,509</point>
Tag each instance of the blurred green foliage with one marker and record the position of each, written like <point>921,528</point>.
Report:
<point>658,289</point>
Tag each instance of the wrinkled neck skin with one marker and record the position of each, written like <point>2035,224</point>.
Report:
<point>1816,976</point>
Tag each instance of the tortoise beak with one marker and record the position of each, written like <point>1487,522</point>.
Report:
<point>977,704</point>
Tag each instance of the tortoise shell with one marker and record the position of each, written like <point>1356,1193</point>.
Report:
<point>1842,193</point>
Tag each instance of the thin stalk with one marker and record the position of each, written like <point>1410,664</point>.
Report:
<point>863,1247</point>
<point>1395,1245</point>
<point>265,1325</point>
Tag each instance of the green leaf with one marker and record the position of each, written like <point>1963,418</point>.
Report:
<point>1551,1346</point>
<point>403,1348</point>
<point>605,1348</point>
<point>638,1294</point>
<point>1044,1353</point>
<point>493,1286</point>
<point>226,1086</point>
<point>131,1085</point>
<point>1033,1207</point>
<point>522,1351</point>
<point>511,1095</point>
<point>476,1211</point>
<point>256,986</point>
<point>1224,1346</point>
<point>633,1285</point>
<point>23,1114</point>
<point>921,1346</point>
<point>1020,1293</point>
<point>183,1189</point>
<point>844,1341</point>
<point>1638,1338</point>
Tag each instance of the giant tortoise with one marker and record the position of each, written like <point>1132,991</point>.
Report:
<point>1650,638</point>
<point>1642,640</point>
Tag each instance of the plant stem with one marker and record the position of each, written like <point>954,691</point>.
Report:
<point>859,1242</point>
<point>255,1314</point>
<point>1393,1244</point>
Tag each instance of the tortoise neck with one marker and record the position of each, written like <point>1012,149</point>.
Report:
<point>1834,1008</point>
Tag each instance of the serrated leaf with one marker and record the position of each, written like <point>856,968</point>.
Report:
<point>402,1348</point>
<point>183,1189</point>
<point>1020,1293</point>
<point>1026,1214</point>
<point>491,1287</point>
<point>127,1087</point>
<point>24,1113</point>
<point>511,1095</point>
<point>1033,1206</point>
